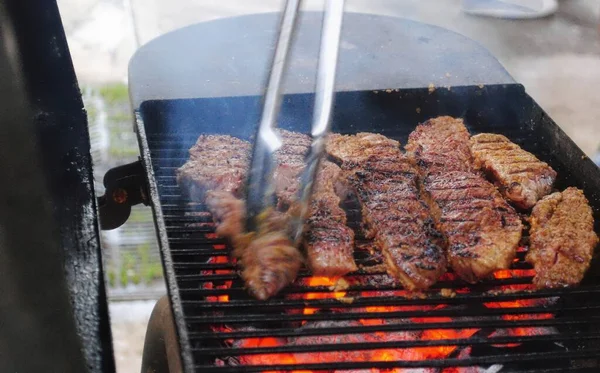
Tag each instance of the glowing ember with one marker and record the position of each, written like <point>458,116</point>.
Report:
<point>267,359</point>
<point>322,281</point>
<point>519,303</point>
<point>224,259</point>
<point>338,288</point>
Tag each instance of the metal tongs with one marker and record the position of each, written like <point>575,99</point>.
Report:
<point>260,188</point>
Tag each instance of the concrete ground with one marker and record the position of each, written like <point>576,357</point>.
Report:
<point>129,321</point>
<point>557,59</point>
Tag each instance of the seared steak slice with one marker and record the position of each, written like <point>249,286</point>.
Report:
<point>216,173</point>
<point>328,241</point>
<point>440,145</point>
<point>290,163</point>
<point>384,182</point>
<point>562,239</point>
<point>482,230</point>
<point>217,163</point>
<point>350,149</point>
<point>521,177</point>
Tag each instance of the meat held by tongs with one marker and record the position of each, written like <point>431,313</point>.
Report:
<point>271,258</point>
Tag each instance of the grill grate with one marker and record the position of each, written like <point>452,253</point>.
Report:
<point>497,324</point>
<point>192,245</point>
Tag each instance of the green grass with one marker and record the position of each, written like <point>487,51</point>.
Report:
<point>140,216</point>
<point>112,277</point>
<point>123,152</point>
<point>115,93</point>
<point>149,271</point>
<point>120,117</point>
<point>92,114</point>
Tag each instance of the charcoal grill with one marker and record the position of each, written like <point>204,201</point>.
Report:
<point>212,310</point>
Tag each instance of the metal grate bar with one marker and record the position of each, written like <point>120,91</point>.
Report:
<point>398,301</point>
<point>480,324</point>
<point>440,285</point>
<point>249,318</point>
<point>338,347</point>
<point>433,363</point>
<point>565,315</point>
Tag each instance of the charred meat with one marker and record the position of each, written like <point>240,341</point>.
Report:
<point>215,174</point>
<point>328,241</point>
<point>562,239</point>
<point>290,163</point>
<point>384,182</point>
<point>354,149</point>
<point>440,145</point>
<point>482,230</point>
<point>521,177</point>
<point>217,163</point>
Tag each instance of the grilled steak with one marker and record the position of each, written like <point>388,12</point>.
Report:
<point>440,145</point>
<point>353,149</point>
<point>328,241</point>
<point>270,262</point>
<point>216,173</point>
<point>290,163</point>
<point>384,182</point>
<point>520,176</point>
<point>482,231</point>
<point>217,163</point>
<point>562,239</point>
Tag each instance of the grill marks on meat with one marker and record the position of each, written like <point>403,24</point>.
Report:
<point>482,231</point>
<point>520,176</point>
<point>562,239</point>
<point>384,182</point>
<point>329,242</point>
<point>216,174</point>
<point>217,163</point>
<point>290,163</point>
<point>440,145</point>
<point>351,150</point>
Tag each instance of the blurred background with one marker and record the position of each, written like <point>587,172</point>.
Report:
<point>556,58</point>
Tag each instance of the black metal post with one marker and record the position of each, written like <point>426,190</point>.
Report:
<point>53,309</point>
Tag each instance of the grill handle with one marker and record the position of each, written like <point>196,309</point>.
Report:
<point>126,186</point>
